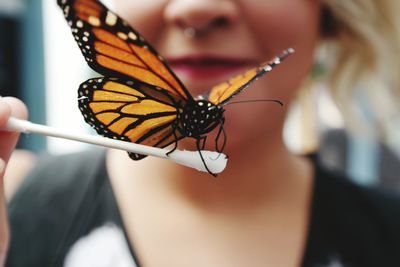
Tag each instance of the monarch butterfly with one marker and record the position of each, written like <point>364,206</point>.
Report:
<point>140,99</point>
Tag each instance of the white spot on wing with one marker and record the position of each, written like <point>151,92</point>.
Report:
<point>111,18</point>
<point>122,35</point>
<point>94,21</point>
<point>132,36</point>
<point>267,68</point>
<point>79,24</point>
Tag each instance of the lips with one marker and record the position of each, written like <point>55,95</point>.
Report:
<point>196,67</point>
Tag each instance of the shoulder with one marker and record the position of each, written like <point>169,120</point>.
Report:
<point>357,221</point>
<point>48,203</point>
<point>54,173</point>
<point>58,177</point>
<point>340,192</point>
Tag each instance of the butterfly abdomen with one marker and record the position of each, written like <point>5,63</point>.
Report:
<point>198,118</point>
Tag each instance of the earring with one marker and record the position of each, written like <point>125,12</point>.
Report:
<point>318,70</point>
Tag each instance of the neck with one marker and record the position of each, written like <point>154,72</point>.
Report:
<point>253,176</point>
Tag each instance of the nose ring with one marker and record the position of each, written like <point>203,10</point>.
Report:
<point>190,32</point>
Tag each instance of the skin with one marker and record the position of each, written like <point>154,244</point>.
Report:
<point>265,189</point>
<point>8,107</point>
<point>256,212</point>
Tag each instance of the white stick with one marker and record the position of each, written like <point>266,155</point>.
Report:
<point>215,162</point>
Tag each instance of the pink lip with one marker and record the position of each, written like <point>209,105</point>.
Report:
<point>196,67</point>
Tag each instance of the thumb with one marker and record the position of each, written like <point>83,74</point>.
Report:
<point>9,106</point>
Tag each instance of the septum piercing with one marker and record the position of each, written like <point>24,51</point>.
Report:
<point>190,32</point>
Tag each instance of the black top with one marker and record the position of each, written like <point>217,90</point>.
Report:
<point>65,214</point>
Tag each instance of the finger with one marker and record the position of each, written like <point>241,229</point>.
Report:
<point>10,106</point>
<point>5,112</point>
<point>4,233</point>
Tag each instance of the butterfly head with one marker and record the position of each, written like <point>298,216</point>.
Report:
<point>199,117</point>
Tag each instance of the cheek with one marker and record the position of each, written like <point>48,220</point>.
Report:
<point>144,16</point>
<point>284,22</point>
<point>281,24</point>
<point>250,123</point>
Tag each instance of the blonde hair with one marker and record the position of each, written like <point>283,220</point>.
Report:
<point>363,40</point>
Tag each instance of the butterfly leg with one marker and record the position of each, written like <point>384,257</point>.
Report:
<point>175,144</point>
<point>199,148</point>
<point>203,140</point>
<point>221,130</point>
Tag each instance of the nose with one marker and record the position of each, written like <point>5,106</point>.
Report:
<point>201,15</point>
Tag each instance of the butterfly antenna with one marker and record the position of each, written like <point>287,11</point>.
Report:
<point>255,101</point>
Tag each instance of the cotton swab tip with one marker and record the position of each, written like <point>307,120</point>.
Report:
<point>215,162</point>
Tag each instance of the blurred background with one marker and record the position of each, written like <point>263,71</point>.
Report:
<point>41,64</point>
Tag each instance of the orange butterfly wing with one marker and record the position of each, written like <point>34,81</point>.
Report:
<point>129,111</point>
<point>222,93</point>
<point>112,48</point>
<point>142,103</point>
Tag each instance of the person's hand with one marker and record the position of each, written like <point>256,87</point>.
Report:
<point>8,107</point>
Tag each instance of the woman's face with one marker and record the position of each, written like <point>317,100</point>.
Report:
<point>235,35</point>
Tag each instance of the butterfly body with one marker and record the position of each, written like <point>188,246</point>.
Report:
<point>140,99</point>
<point>198,118</point>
